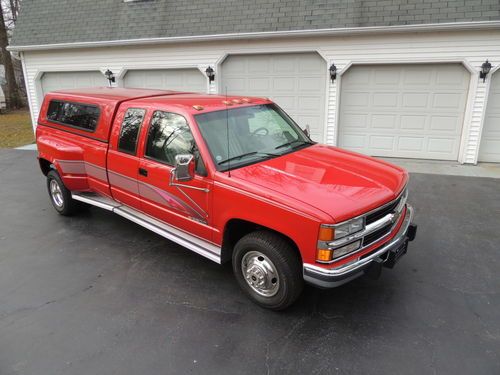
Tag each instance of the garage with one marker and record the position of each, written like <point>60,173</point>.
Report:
<point>191,80</point>
<point>489,150</point>
<point>52,81</point>
<point>407,111</point>
<point>296,82</point>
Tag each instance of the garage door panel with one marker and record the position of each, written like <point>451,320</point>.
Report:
<point>413,122</point>
<point>411,111</point>
<point>415,100</point>
<point>384,121</point>
<point>385,99</point>
<point>355,142</point>
<point>444,124</point>
<point>355,99</point>
<point>410,143</point>
<point>418,76</point>
<point>386,77</point>
<point>447,100</point>
<point>191,80</point>
<point>52,81</point>
<point>385,143</point>
<point>296,82</point>
<point>489,150</point>
<point>354,120</point>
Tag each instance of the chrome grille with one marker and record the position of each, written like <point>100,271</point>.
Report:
<point>380,213</point>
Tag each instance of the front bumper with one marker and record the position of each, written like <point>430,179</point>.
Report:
<point>330,278</point>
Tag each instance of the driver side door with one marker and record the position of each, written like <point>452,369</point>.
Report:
<point>187,207</point>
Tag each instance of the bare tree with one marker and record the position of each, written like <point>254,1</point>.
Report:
<point>8,15</point>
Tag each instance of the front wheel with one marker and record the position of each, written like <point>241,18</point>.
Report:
<point>268,269</point>
<point>60,196</point>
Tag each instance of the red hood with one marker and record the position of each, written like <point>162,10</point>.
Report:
<point>340,183</point>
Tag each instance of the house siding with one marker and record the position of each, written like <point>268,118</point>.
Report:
<point>471,48</point>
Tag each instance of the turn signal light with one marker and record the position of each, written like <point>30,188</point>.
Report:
<point>324,255</point>
<point>326,233</point>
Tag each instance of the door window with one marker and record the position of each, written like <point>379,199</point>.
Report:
<point>168,136</point>
<point>130,130</point>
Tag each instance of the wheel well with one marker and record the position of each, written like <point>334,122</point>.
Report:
<point>235,229</point>
<point>45,166</point>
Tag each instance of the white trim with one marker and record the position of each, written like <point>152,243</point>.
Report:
<point>468,105</point>
<point>481,25</point>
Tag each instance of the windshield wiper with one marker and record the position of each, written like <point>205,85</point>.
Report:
<point>246,154</point>
<point>292,142</point>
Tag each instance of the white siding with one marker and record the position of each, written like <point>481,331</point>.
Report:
<point>472,47</point>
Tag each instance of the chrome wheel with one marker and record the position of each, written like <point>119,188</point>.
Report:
<point>56,193</point>
<point>260,273</point>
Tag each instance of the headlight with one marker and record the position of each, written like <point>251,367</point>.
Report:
<point>349,227</point>
<point>334,232</point>
<point>329,233</point>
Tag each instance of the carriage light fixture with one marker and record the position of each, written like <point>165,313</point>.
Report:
<point>110,77</point>
<point>333,72</point>
<point>485,69</point>
<point>210,74</point>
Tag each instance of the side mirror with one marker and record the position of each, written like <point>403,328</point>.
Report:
<point>307,131</point>
<point>184,167</point>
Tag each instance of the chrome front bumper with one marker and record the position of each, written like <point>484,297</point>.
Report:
<point>330,278</point>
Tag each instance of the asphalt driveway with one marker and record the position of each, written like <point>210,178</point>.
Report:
<point>96,294</point>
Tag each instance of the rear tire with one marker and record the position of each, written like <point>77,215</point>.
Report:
<point>268,269</point>
<point>60,196</point>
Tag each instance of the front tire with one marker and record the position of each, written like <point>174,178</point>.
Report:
<point>60,196</point>
<point>268,269</point>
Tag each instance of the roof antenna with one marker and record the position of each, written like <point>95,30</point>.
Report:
<point>227,136</point>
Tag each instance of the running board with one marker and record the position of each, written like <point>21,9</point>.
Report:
<point>96,200</point>
<point>198,245</point>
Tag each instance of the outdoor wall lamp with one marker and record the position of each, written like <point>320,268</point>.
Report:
<point>109,76</point>
<point>333,72</point>
<point>485,69</point>
<point>210,74</point>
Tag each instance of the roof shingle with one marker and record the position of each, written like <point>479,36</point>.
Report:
<point>68,21</point>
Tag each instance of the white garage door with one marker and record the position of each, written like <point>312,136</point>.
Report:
<point>296,82</point>
<point>490,141</point>
<point>408,111</point>
<point>70,80</point>
<point>191,80</point>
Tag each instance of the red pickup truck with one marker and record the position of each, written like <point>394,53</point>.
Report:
<point>230,178</point>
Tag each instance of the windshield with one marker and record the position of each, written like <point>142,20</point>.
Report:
<point>255,133</point>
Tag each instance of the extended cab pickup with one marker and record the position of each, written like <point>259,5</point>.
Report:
<point>230,178</point>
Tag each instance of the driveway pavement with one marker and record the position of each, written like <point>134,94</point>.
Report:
<point>96,294</point>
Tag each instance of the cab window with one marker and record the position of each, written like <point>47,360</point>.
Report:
<point>130,130</point>
<point>168,136</point>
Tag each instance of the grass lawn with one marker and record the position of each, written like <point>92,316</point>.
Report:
<point>15,129</point>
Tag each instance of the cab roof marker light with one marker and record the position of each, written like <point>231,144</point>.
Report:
<point>227,102</point>
<point>246,100</point>
<point>198,107</point>
<point>236,101</point>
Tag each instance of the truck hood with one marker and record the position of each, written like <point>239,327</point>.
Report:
<point>340,183</point>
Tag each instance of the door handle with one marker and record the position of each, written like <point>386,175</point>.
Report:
<point>143,172</point>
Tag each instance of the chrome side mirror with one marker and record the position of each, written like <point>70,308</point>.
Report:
<point>307,131</point>
<point>184,167</point>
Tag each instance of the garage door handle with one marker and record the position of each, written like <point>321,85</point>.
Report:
<point>143,172</point>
